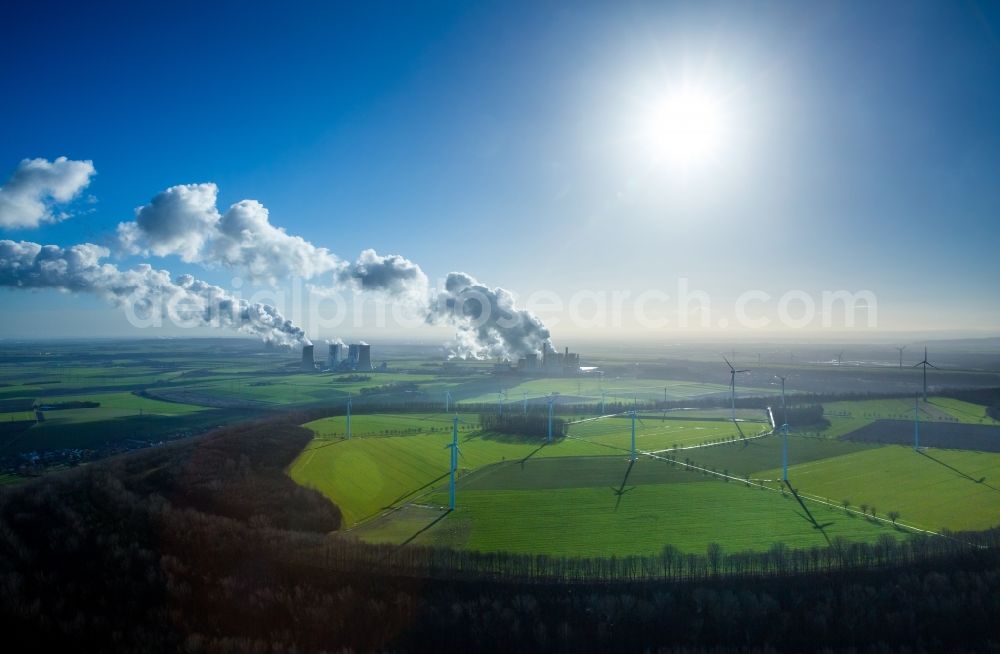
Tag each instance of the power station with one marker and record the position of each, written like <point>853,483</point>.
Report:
<point>358,357</point>
<point>551,364</point>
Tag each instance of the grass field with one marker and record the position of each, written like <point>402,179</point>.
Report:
<point>120,415</point>
<point>382,424</point>
<point>935,409</point>
<point>571,497</point>
<point>654,433</point>
<point>617,390</point>
<point>596,521</point>
<point>758,457</point>
<point>951,489</point>
<point>391,456</point>
<point>367,475</point>
<point>297,388</point>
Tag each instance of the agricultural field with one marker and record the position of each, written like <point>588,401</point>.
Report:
<point>640,518</point>
<point>700,477</point>
<point>367,475</point>
<point>617,390</point>
<point>936,409</point>
<point>843,418</point>
<point>578,496</point>
<point>932,489</point>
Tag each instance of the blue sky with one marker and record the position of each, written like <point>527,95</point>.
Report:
<point>862,149</point>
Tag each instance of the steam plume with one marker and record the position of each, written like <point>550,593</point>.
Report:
<point>488,321</point>
<point>148,292</point>
<point>185,221</point>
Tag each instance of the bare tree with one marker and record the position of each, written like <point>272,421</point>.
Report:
<point>893,515</point>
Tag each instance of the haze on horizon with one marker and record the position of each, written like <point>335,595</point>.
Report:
<point>654,172</point>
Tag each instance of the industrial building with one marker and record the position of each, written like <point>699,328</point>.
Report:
<point>552,363</point>
<point>364,361</point>
<point>358,357</point>
<point>307,358</point>
<point>333,356</point>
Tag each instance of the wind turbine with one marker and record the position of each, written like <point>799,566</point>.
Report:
<point>732,384</point>
<point>525,402</point>
<point>447,401</point>
<point>784,429</point>
<point>454,462</point>
<point>348,417</point>
<point>552,400</point>
<point>925,363</point>
<point>901,355</point>
<point>632,455</point>
<point>500,395</point>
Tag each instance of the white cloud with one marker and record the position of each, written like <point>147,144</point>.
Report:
<point>27,199</point>
<point>184,221</point>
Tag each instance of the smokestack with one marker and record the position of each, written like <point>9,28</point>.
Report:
<point>307,358</point>
<point>333,357</point>
<point>364,356</point>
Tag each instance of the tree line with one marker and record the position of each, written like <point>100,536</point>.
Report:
<point>534,423</point>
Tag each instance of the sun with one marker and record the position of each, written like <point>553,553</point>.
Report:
<point>684,128</point>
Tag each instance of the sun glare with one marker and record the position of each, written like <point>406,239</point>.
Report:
<point>684,128</point>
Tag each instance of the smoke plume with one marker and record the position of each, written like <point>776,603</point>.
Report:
<point>36,186</point>
<point>147,292</point>
<point>184,221</point>
<point>393,275</point>
<point>488,321</point>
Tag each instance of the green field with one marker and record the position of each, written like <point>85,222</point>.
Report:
<point>364,476</point>
<point>120,415</point>
<point>758,457</point>
<point>616,389</point>
<point>642,519</point>
<point>936,409</point>
<point>654,433</point>
<point>951,489</point>
<point>579,496</point>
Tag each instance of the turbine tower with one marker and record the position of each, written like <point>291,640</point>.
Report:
<point>500,395</point>
<point>454,462</point>
<point>925,363</point>
<point>840,358</point>
<point>632,455</point>
<point>732,384</point>
<point>900,349</point>
<point>447,401</point>
<point>603,396</point>
<point>525,402</point>
<point>784,430</point>
<point>552,399</point>
<point>348,417</point>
